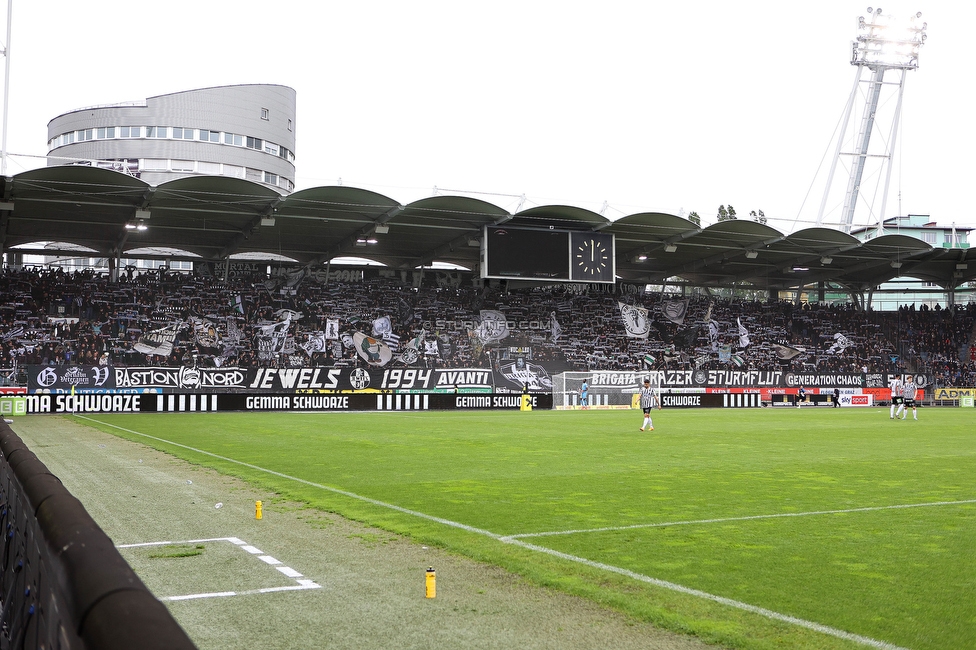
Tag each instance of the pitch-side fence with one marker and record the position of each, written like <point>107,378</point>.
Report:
<point>63,583</point>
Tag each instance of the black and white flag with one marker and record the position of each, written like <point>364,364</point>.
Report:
<point>841,343</point>
<point>635,320</point>
<point>556,328</point>
<point>493,326</point>
<point>784,352</point>
<point>675,310</point>
<point>713,334</point>
<point>332,329</point>
<point>743,334</point>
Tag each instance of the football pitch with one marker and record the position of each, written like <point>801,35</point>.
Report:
<point>751,528</point>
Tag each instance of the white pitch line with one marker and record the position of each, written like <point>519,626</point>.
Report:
<point>187,541</point>
<point>244,546</point>
<point>552,533</point>
<point>249,592</point>
<point>824,629</point>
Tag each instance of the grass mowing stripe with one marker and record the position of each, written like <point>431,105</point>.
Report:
<point>767,613</point>
<point>762,611</point>
<point>352,495</point>
<point>552,533</point>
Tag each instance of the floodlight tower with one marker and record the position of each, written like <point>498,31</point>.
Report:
<point>883,43</point>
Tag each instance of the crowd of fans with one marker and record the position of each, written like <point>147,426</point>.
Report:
<point>447,320</point>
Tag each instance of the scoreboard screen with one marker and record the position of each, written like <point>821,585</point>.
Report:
<point>547,254</point>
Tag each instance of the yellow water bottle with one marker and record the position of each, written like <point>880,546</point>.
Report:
<point>431,583</point>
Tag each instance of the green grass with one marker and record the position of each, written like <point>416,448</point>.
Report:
<point>903,576</point>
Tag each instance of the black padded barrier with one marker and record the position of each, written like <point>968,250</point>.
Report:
<point>63,584</point>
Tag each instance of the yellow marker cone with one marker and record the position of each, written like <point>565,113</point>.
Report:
<point>431,583</point>
<point>257,510</point>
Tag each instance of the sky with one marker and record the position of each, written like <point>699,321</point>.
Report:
<point>618,107</point>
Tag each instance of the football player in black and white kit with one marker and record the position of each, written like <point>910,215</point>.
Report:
<point>649,399</point>
<point>909,389</point>
<point>896,402</point>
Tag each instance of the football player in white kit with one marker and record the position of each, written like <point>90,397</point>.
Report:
<point>896,395</point>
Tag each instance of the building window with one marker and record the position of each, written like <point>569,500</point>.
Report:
<point>265,114</point>
<point>253,174</point>
<point>182,134</point>
<point>208,168</point>
<point>928,237</point>
<point>270,179</point>
<point>209,136</point>
<point>156,131</point>
<point>233,170</point>
<point>105,132</point>
<point>234,139</point>
<point>271,147</point>
<point>155,165</point>
<point>289,125</point>
<point>182,165</point>
<point>130,131</point>
<point>85,134</point>
<point>254,143</point>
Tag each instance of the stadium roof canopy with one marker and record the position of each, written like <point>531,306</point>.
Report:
<point>214,218</point>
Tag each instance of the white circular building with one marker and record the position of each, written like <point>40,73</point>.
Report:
<point>245,131</point>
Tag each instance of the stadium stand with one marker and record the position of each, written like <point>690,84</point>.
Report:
<point>49,317</point>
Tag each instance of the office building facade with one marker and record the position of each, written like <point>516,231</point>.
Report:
<point>243,131</point>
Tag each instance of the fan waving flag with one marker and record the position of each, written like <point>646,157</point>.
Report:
<point>784,352</point>
<point>635,320</point>
<point>743,334</point>
<point>675,310</point>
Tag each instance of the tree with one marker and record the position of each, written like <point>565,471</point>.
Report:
<point>725,214</point>
<point>758,216</point>
<point>695,219</point>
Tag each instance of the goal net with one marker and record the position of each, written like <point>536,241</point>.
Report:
<point>607,389</point>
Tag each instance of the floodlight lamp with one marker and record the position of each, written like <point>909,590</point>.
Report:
<point>896,265</point>
<point>372,240</point>
<point>642,258</point>
<point>130,225</point>
<point>825,260</point>
<point>962,267</point>
<point>381,230</point>
<point>751,255</point>
<point>670,248</point>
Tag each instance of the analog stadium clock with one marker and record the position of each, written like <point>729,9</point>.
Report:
<point>591,257</point>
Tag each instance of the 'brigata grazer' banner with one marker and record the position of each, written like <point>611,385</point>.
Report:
<point>705,378</point>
